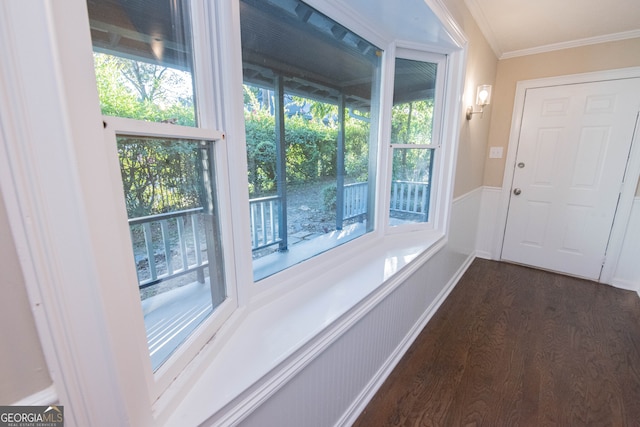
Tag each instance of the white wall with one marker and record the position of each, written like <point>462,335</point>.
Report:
<point>23,371</point>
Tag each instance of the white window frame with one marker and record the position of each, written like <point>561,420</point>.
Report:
<point>207,83</point>
<point>159,380</point>
<point>272,286</point>
<point>437,198</point>
<point>287,280</point>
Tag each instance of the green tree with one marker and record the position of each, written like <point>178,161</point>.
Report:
<point>310,143</point>
<point>412,123</point>
<point>157,175</point>
<point>144,91</point>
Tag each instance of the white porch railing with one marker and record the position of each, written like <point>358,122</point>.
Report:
<point>406,196</point>
<point>355,200</point>
<point>410,197</point>
<point>265,221</point>
<point>168,245</point>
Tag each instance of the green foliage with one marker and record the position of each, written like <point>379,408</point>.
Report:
<point>311,145</point>
<point>356,161</point>
<point>162,175</point>
<point>411,123</point>
<point>329,197</point>
<point>412,164</point>
<point>158,175</point>
<point>311,149</point>
<point>261,152</point>
<point>137,90</point>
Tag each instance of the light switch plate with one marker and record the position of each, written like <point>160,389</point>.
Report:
<point>495,152</point>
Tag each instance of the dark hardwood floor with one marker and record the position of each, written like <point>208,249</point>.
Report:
<point>514,346</point>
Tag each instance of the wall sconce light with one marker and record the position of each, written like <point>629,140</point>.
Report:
<point>483,98</point>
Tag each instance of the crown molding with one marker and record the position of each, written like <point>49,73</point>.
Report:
<point>452,27</point>
<point>484,25</point>
<point>571,44</point>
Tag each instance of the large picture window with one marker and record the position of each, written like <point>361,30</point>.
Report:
<point>311,98</point>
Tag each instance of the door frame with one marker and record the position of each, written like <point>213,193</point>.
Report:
<point>631,176</point>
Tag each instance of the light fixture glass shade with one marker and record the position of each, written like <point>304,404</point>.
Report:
<point>483,95</point>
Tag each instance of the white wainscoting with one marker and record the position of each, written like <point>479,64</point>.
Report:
<point>627,274</point>
<point>336,386</point>
<point>486,240</point>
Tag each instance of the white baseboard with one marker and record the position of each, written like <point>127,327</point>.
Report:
<point>368,392</point>
<point>625,284</point>
<point>45,397</point>
<point>484,254</point>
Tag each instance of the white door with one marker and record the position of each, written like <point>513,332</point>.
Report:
<point>572,153</point>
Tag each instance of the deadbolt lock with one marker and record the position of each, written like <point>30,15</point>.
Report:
<point>520,165</point>
<point>517,191</point>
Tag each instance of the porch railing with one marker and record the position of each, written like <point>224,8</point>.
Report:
<point>171,244</point>
<point>410,197</point>
<point>168,245</point>
<point>406,196</point>
<point>355,200</point>
<point>265,219</point>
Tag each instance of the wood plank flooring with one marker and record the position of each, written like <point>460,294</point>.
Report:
<point>514,346</point>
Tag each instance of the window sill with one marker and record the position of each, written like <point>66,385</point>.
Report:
<point>264,347</point>
<point>304,250</point>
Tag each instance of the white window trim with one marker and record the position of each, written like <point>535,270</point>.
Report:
<point>158,381</point>
<point>54,174</point>
<point>63,110</point>
<point>436,183</point>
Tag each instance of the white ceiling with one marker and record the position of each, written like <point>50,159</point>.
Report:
<point>520,27</point>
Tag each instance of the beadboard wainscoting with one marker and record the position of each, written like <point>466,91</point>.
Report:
<point>334,387</point>
<point>487,244</point>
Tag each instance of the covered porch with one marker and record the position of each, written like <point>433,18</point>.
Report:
<point>173,267</point>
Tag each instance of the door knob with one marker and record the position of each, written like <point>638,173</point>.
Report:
<point>521,165</point>
<point>517,191</point>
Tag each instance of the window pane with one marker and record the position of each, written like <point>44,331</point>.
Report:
<point>143,59</point>
<point>413,102</point>
<point>411,185</point>
<point>412,124</point>
<point>311,94</point>
<point>169,195</point>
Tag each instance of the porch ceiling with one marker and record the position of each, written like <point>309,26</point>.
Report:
<point>276,40</point>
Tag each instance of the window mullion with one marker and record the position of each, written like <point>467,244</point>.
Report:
<point>133,127</point>
<point>281,162</point>
<point>425,146</point>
